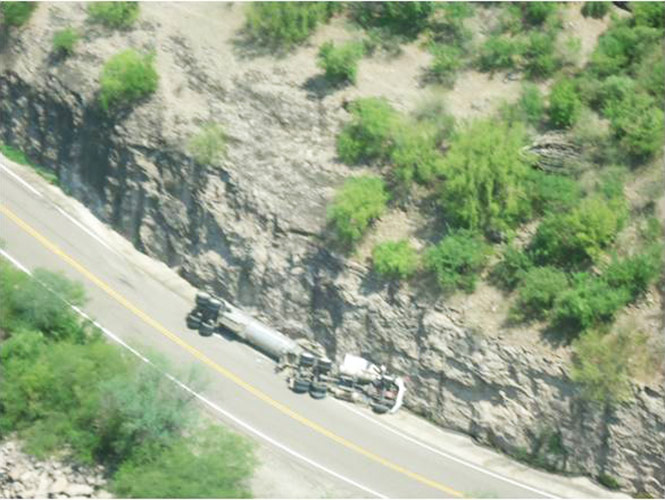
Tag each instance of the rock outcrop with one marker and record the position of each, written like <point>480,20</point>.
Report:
<point>253,231</point>
<point>23,476</point>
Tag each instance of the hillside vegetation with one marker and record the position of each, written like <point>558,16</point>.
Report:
<point>67,391</point>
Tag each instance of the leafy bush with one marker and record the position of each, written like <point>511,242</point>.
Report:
<point>577,238</point>
<point>486,178</point>
<point>589,302</point>
<point>512,267</point>
<point>612,92</point>
<point>369,134</point>
<point>539,289</point>
<point>213,463</point>
<point>622,47</point>
<point>501,52</point>
<point>114,14</point>
<point>360,200</point>
<point>651,14</point>
<point>565,104</point>
<point>638,123</point>
<point>650,74</point>
<point>395,259</point>
<point>340,63</point>
<point>552,193</point>
<point>209,144</point>
<point>447,61</point>
<point>597,10</point>
<point>536,13</point>
<point>414,154</point>
<point>126,78</point>
<point>285,24</point>
<point>539,55</point>
<point>403,18</point>
<point>636,273</point>
<point>446,25</point>
<point>531,103</point>
<point>17,13</point>
<point>457,259</point>
<point>601,367</point>
<point>65,40</point>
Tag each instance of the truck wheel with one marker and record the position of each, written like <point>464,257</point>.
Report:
<point>318,394</point>
<point>193,322</point>
<point>300,385</point>
<point>206,329</point>
<point>202,299</point>
<point>381,406</point>
<point>318,390</point>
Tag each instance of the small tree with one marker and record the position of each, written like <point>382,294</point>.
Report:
<point>209,144</point>
<point>565,104</point>
<point>512,267</point>
<point>65,40</point>
<point>395,259</point>
<point>415,155</point>
<point>369,135</point>
<point>361,200</point>
<point>340,63</point>
<point>457,259</point>
<point>447,62</point>
<point>486,177</point>
<point>531,103</point>
<point>597,10</point>
<point>638,122</point>
<point>539,289</point>
<point>114,14</point>
<point>126,78</point>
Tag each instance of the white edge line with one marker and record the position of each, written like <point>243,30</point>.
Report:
<point>83,228</point>
<point>444,454</point>
<point>19,179</point>
<point>201,398</point>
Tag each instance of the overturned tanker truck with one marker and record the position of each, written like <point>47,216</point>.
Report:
<point>304,362</point>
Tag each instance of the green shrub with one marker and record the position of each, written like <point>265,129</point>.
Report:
<point>651,14</point>
<point>369,134</point>
<point>126,78</point>
<point>114,14</point>
<point>597,10</point>
<point>457,260</point>
<point>360,200</point>
<point>536,13</point>
<point>576,238</point>
<point>17,13</point>
<point>445,65</point>
<point>612,92</point>
<point>609,481</point>
<point>531,103</point>
<point>650,75</point>
<point>340,63</point>
<point>415,155</point>
<point>622,47</point>
<point>636,273</point>
<point>432,111</point>
<point>638,123</point>
<point>565,104</point>
<point>209,144</point>
<point>486,177</point>
<point>512,267</point>
<point>539,55</point>
<point>501,52</point>
<point>601,368</point>
<point>589,302</point>
<point>539,289</point>
<point>395,259</point>
<point>552,193</point>
<point>285,24</point>
<point>212,463</point>
<point>446,26</point>
<point>402,18</point>
<point>65,40</point>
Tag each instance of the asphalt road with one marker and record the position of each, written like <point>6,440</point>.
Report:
<point>146,307</point>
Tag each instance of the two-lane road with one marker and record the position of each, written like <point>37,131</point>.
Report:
<point>144,304</point>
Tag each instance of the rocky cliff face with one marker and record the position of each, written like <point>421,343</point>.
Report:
<point>253,231</point>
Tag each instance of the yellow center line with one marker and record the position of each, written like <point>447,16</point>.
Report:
<point>220,369</point>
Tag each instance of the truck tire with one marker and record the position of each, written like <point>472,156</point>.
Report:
<point>206,329</point>
<point>300,385</point>
<point>318,390</point>
<point>202,299</point>
<point>193,321</point>
<point>380,407</point>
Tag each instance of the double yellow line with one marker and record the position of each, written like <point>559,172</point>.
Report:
<point>218,368</point>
